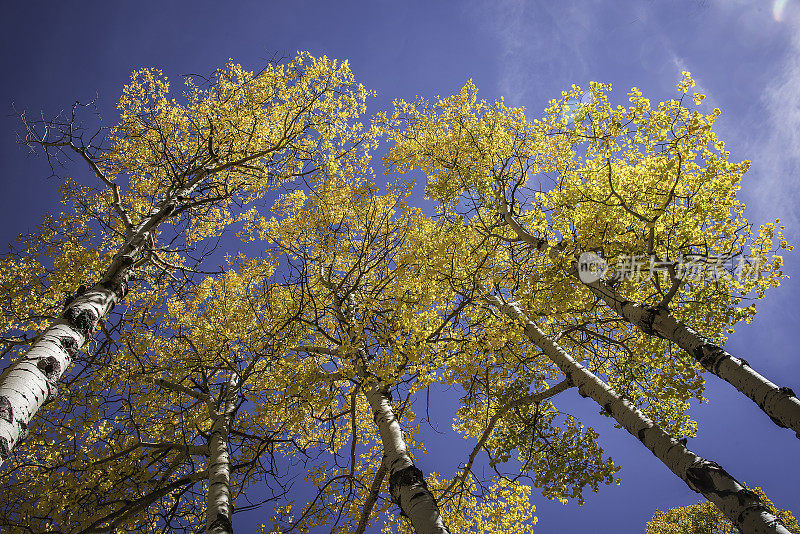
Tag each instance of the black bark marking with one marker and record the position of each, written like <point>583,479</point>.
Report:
<point>788,392</point>
<point>701,478</point>
<point>221,525</point>
<point>50,367</point>
<point>6,411</point>
<point>5,450</point>
<point>117,281</point>
<point>683,441</point>
<point>82,319</point>
<point>117,284</point>
<point>71,298</point>
<point>409,476</point>
<point>606,409</point>
<point>69,345</point>
<point>23,431</point>
<point>710,357</point>
<point>640,434</point>
<point>647,323</point>
<point>168,209</point>
<point>745,497</point>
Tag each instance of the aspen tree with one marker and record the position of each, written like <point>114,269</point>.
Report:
<point>171,169</point>
<point>740,505</point>
<point>345,239</point>
<point>172,450</point>
<point>642,184</point>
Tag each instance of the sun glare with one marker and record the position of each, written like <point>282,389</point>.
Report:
<point>778,7</point>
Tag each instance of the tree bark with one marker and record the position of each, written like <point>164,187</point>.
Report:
<point>218,500</point>
<point>779,403</point>
<point>407,485</point>
<point>30,382</point>
<point>740,505</point>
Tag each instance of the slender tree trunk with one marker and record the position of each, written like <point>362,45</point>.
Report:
<point>218,500</point>
<point>407,485</point>
<point>740,505</point>
<point>779,403</point>
<point>372,498</point>
<point>30,382</point>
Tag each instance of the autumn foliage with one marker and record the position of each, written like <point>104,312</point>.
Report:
<point>260,305</point>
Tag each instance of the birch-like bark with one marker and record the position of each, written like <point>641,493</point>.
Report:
<point>779,403</point>
<point>218,500</point>
<point>407,485</point>
<point>740,505</point>
<point>30,382</point>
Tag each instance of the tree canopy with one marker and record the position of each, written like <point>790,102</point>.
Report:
<point>189,391</point>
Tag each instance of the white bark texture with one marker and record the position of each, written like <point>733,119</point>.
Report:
<point>741,506</point>
<point>779,403</point>
<point>219,507</point>
<point>30,381</point>
<point>407,485</point>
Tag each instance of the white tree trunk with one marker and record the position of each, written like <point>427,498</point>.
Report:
<point>741,506</point>
<point>407,485</point>
<point>218,500</point>
<point>30,381</point>
<point>779,403</point>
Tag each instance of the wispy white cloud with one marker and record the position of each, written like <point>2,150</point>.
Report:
<point>767,129</point>
<point>536,41</point>
<point>776,152</point>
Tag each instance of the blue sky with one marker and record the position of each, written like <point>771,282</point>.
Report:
<point>745,55</point>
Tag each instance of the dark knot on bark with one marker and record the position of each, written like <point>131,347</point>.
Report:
<point>651,313</point>
<point>51,369</point>
<point>709,356</point>
<point>5,449</point>
<point>409,476</point>
<point>221,525</point>
<point>6,410</point>
<point>82,319</point>
<point>71,298</point>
